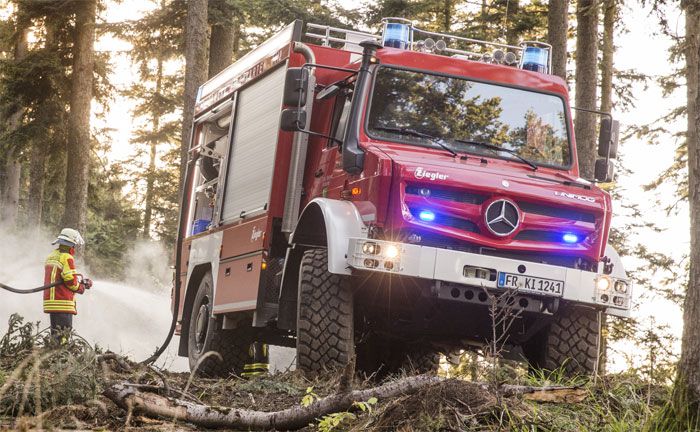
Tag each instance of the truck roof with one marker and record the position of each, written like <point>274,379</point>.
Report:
<point>480,71</point>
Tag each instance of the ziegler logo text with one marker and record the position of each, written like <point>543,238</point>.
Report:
<point>255,234</point>
<point>420,173</point>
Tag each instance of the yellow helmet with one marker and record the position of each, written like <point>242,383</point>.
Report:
<point>69,237</point>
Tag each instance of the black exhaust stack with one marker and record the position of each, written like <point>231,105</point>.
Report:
<point>353,156</point>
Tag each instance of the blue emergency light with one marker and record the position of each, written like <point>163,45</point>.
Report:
<point>536,59</point>
<point>426,216</point>
<point>570,238</point>
<point>396,35</point>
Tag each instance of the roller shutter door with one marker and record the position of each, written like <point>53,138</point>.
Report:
<point>252,154</point>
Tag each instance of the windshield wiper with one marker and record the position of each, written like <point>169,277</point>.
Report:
<point>497,148</point>
<point>408,131</point>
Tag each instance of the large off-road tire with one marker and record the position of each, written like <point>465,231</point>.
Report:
<point>325,330</point>
<point>571,340</point>
<point>205,335</point>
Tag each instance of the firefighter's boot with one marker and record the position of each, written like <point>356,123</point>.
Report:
<point>258,360</point>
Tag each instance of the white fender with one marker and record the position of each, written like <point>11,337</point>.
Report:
<point>342,221</point>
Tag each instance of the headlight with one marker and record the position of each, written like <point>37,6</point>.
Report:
<point>391,252</point>
<point>603,283</point>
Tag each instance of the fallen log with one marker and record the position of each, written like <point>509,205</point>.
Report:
<point>129,396</point>
<point>554,394</point>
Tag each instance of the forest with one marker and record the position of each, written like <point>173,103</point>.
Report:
<point>97,102</point>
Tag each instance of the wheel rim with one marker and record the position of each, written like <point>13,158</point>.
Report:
<point>202,325</point>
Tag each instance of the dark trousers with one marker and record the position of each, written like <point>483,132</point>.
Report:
<point>61,325</point>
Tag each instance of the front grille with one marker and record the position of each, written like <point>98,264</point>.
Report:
<point>447,194</point>
<point>442,242</point>
<point>561,213</point>
<point>543,236</point>
<point>449,221</point>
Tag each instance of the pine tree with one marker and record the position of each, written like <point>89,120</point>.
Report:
<point>557,34</point>
<point>196,54</point>
<point>79,120</point>
<point>157,42</point>
<point>10,186</point>
<point>586,84</point>
<point>686,396</point>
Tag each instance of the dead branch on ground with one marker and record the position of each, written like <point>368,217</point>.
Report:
<point>127,395</point>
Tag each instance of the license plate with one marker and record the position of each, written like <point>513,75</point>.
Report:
<point>532,284</point>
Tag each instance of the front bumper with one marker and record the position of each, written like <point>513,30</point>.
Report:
<point>475,270</point>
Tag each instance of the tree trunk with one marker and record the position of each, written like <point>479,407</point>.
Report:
<point>9,194</point>
<point>35,199</point>
<point>221,48</point>
<point>447,12</point>
<point>586,85</point>
<point>606,91</point>
<point>151,176</point>
<point>196,48</point>
<point>511,32</point>
<point>78,148</point>
<point>687,386</point>
<point>223,35</point>
<point>607,64</point>
<point>557,29</point>
<point>37,162</point>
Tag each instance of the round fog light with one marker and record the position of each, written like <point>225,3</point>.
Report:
<point>392,251</point>
<point>370,248</point>
<point>621,287</point>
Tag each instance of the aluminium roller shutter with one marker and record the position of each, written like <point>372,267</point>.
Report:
<point>252,154</point>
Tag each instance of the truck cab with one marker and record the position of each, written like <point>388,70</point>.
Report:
<point>390,197</point>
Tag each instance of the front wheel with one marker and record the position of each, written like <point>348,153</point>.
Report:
<point>570,342</point>
<point>325,330</point>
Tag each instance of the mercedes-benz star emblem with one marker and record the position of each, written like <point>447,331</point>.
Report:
<point>502,217</point>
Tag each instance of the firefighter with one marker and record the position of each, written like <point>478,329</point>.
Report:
<point>59,301</point>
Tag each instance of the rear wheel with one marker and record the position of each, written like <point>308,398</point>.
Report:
<point>206,334</point>
<point>570,342</point>
<point>325,330</point>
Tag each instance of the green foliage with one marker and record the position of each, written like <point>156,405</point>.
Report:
<point>112,222</point>
<point>309,398</point>
<point>332,421</point>
<point>40,376</point>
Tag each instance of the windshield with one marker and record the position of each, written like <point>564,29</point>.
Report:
<point>529,124</point>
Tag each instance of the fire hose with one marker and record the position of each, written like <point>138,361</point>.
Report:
<point>31,290</point>
<point>83,282</point>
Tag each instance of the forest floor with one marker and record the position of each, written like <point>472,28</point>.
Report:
<point>63,388</point>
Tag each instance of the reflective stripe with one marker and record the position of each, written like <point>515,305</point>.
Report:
<point>54,263</point>
<point>256,366</point>
<point>60,302</point>
<point>53,279</point>
<point>252,374</point>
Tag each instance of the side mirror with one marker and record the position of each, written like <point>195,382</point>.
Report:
<point>604,171</point>
<point>293,119</point>
<point>608,138</point>
<point>296,83</point>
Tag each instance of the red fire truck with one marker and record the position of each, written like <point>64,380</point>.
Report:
<point>378,197</point>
